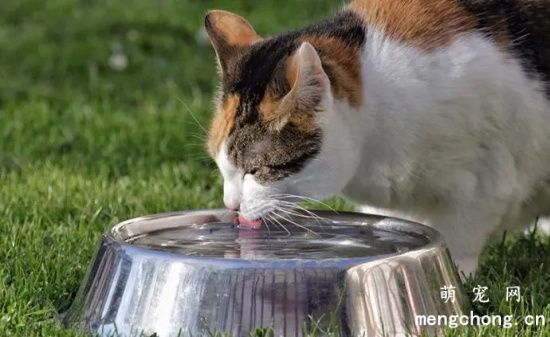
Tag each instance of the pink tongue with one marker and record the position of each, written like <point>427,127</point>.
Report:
<point>253,224</point>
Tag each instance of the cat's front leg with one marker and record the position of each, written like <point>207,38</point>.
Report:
<point>466,230</point>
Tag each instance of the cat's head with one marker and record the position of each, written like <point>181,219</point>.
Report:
<point>280,129</point>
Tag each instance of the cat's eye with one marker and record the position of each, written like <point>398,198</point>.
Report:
<point>252,171</point>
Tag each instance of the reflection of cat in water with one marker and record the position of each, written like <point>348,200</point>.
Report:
<point>318,242</point>
<point>436,110</point>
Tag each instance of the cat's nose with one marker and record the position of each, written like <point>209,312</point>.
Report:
<point>232,196</point>
<point>234,206</point>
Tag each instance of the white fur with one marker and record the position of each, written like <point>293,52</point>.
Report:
<point>460,140</point>
<point>456,138</point>
<point>232,180</point>
<point>312,181</point>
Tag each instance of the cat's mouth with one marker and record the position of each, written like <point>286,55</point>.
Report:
<point>254,216</point>
<point>248,223</point>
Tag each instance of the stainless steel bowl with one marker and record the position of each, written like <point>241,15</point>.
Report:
<point>196,273</point>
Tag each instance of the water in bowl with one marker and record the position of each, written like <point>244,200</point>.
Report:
<point>306,239</point>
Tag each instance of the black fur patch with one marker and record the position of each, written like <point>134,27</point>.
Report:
<point>527,25</point>
<point>252,70</point>
<point>249,73</point>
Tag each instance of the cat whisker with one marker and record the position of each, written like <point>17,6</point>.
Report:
<point>274,214</point>
<point>303,209</point>
<point>277,222</point>
<point>289,196</point>
<point>294,223</point>
<point>192,115</point>
<point>202,138</point>
<point>290,211</point>
<point>265,205</point>
<point>257,207</point>
<point>267,226</point>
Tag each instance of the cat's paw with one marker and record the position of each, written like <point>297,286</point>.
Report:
<point>466,266</point>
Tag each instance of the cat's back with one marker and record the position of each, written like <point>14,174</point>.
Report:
<point>518,27</point>
<point>523,27</point>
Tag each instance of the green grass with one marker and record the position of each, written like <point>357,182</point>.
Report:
<point>83,146</point>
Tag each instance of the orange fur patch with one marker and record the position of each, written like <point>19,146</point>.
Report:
<point>343,67</point>
<point>235,30</point>
<point>279,112</point>
<point>223,122</point>
<point>427,24</point>
<point>304,121</point>
<point>269,108</point>
<point>291,71</point>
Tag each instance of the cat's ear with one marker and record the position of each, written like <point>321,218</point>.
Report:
<point>309,83</point>
<point>228,32</point>
<point>306,76</point>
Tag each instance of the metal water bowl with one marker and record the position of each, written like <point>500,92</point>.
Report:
<point>197,273</point>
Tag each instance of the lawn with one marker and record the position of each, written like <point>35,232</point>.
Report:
<point>102,109</point>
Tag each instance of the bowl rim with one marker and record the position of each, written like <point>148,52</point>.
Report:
<point>112,237</point>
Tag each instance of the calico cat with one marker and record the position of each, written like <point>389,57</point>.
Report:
<point>433,110</point>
